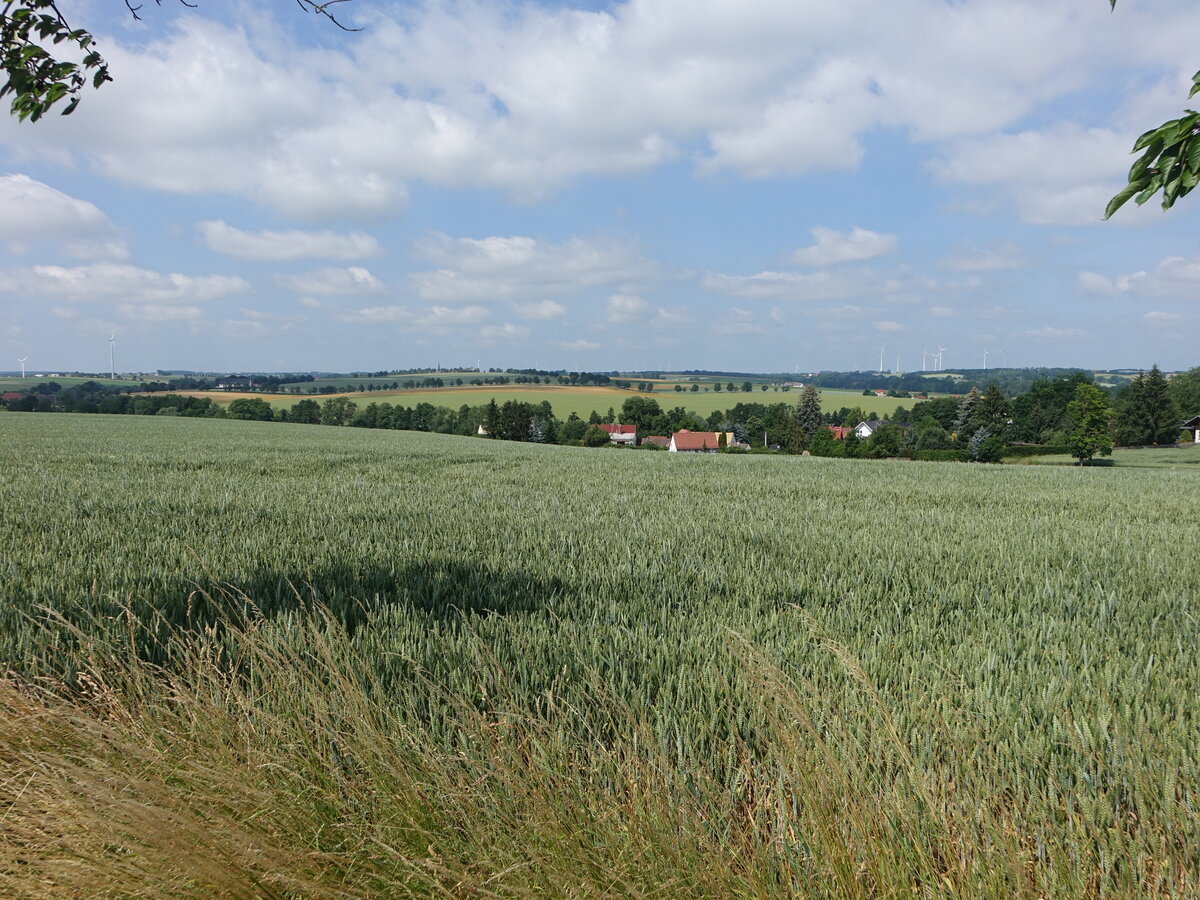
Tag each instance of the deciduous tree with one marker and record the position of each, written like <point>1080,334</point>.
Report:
<point>1090,423</point>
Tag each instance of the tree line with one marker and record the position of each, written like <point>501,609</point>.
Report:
<point>1067,413</point>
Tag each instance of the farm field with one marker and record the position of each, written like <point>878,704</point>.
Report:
<point>1185,455</point>
<point>362,663</point>
<point>578,399</point>
<point>24,384</point>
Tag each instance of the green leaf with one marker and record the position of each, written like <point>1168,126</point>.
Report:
<point>1120,199</point>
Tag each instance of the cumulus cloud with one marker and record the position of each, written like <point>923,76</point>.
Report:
<point>331,281</point>
<point>579,344</point>
<point>1050,331</point>
<point>129,284</point>
<point>507,332</point>
<point>534,95</point>
<point>1157,317</point>
<point>33,211</point>
<point>1175,276</point>
<point>969,258</point>
<point>737,321</point>
<point>515,267</point>
<point>1063,174</point>
<point>282,246</point>
<point>628,309</point>
<point>435,319</point>
<point>542,310</point>
<point>856,245</point>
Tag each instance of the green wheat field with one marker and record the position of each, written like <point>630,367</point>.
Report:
<point>269,660</point>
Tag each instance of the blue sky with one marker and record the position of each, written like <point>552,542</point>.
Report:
<point>759,185</point>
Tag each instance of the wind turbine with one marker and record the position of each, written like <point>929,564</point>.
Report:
<point>22,362</point>
<point>939,358</point>
<point>985,356</point>
<point>897,369</point>
<point>1005,358</point>
<point>924,357</point>
<point>112,350</point>
<point>881,349</point>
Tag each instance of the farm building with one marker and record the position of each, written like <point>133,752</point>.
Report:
<point>865,429</point>
<point>685,441</point>
<point>839,432</point>
<point>621,434</point>
<point>1193,425</point>
<point>657,440</point>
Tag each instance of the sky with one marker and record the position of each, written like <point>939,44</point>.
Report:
<point>737,185</point>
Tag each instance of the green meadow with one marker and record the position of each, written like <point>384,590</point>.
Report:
<point>271,660</point>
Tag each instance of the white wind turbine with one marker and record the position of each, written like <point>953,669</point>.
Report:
<point>939,358</point>
<point>112,351</point>
<point>924,357</point>
<point>881,349</point>
<point>985,356</point>
<point>21,360</point>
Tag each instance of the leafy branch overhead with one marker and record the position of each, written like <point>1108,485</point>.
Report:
<point>38,77</point>
<point>1170,160</point>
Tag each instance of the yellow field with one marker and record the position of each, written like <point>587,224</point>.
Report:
<point>566,399</point>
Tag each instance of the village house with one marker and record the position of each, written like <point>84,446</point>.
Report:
<point>867,428</point>
<point>657,440</point>
<point>621,434</point>
<point>685,441</point>
<point>1192,425</point>
<point>839,432</point>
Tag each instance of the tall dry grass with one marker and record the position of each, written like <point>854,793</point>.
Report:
<point>263,766</point>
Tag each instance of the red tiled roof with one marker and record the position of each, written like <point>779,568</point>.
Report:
<point>839,431</point>
<point>657,439</point>
<point>696,440</point>
<point>620,429</point>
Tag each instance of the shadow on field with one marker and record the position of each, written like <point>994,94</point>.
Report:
<point>351,593</point>
<point>148,617</point>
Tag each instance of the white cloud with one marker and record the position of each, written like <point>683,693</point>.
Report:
<point>505,332</point>
<point>541,310</point>
<point>115,281</point>
<point>280,246</point>
<point>158,312</point>
<point>435,319</point>
<point>515,267</point>
<point>1063,174</point>
<point>33,211</point>
<point>628,309</point>
<point>1162,318</point>
<point>1049,331</point>
<point>856,245</point>
<point>969,258</point>
<point>1175,276</point>
<point>624,309</point>
<point>738,321</point>
<point>887,325</point>
<point>580,345</point>
<point>525,97</point>
<point>331,281</point>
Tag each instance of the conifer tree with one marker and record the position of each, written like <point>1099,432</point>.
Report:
<point>808,412</point>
